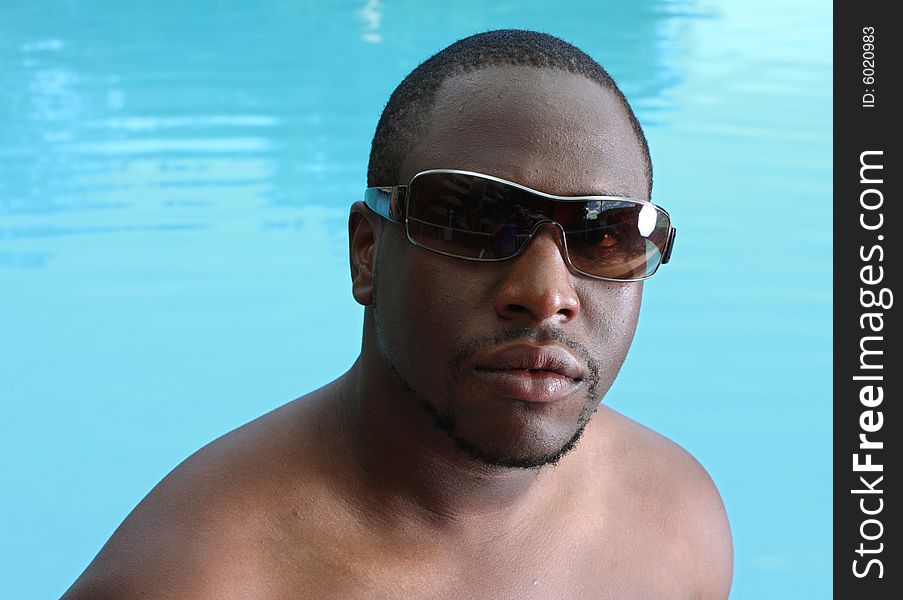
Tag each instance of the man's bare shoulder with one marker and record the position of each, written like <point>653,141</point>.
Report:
<point>669,499</point>
<point>214,525</point>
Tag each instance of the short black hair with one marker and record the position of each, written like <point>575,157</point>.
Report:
<point>405,116</point>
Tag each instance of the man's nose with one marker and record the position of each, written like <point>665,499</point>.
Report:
<point>537,285</point>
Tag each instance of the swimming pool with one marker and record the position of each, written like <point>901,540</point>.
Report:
<point>174,188</point>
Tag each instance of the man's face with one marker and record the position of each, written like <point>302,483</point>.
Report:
<point>438,318</point>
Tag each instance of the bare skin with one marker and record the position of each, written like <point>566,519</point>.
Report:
<point>352,491</point>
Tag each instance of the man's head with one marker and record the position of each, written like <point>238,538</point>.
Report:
<point>528,108</point>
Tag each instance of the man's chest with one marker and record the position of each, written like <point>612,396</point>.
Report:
<point>591,571</point>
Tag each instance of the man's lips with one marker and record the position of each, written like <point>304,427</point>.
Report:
<point>530,373</point>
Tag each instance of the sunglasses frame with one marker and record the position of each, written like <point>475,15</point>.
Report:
<point>391,203</point>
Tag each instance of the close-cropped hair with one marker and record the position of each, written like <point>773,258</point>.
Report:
<point>406,114</point>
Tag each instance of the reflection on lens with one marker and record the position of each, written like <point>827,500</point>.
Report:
<point>465,216</point>
<point>646,220</point>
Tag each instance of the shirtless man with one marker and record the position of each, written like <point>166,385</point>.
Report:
<point>445,463</point>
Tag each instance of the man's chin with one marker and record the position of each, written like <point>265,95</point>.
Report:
<point>513,459</point>
<point>514,435</point>
<point>531,452</point>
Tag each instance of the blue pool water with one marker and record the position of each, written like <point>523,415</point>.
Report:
<point>174,187</point>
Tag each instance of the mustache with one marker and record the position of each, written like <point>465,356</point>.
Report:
<point>464,351</point>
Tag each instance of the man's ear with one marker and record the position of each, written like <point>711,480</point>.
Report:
<point>363,231</point>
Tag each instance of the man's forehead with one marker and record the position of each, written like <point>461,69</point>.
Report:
<point>548,129</point>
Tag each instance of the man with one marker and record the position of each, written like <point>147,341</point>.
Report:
<point>465,454</point>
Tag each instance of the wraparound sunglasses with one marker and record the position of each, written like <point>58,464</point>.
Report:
<point>484,218</point>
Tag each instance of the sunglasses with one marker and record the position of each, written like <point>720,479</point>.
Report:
<point>483,218</point>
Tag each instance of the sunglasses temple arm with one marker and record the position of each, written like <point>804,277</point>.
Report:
<point>388,202</point>
<point>667,255</point>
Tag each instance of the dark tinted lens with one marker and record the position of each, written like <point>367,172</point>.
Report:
<point>474,217</point>
<point>466,216</point>
<point>618,239</point>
